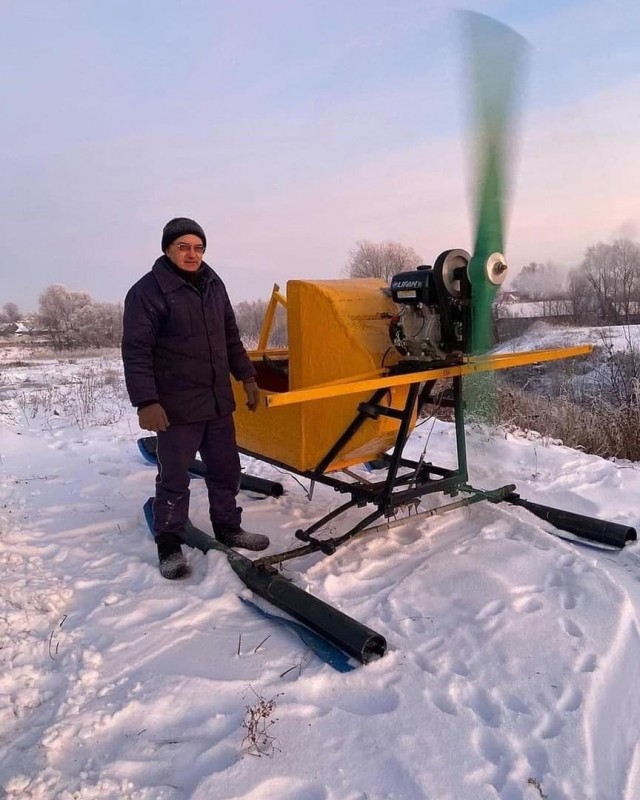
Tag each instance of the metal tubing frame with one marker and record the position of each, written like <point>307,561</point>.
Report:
<point>386,495</point>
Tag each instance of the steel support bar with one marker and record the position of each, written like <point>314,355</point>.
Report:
<point>475,364</point>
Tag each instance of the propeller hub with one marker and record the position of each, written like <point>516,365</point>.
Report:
<point>495,268</point>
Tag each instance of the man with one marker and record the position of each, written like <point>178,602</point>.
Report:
<point>180,347</point>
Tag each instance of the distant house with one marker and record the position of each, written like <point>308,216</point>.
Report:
<point>511,297</point>
<point>9,328</point>
<point>534,309</point>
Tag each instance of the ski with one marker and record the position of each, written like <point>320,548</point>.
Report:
<point>357,641</point>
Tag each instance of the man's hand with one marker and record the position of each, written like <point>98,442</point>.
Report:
<point>153,418</point>
<point>253,394</point>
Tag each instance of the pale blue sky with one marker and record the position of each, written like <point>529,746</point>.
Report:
<point>290,130</point>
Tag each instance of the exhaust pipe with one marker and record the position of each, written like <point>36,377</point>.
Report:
<point>589,528</point>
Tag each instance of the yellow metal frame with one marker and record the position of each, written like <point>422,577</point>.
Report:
<point>275,300</point>
<point>360,383</point>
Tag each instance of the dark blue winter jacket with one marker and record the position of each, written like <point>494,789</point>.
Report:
<point>179,345</point>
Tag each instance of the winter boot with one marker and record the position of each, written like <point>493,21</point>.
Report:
<point>238,537</point>
<point>172,563</point>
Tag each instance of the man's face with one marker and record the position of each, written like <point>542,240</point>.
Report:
<point>186,252</point>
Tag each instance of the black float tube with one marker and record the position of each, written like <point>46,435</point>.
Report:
<point>252,483</point>
<point>351,636</point>
<point>590,528</point>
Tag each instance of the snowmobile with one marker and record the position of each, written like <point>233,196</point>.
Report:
<point>365,359</point>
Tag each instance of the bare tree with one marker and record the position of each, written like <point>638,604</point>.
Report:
<point>580,296</point>
<point>625,258</point>
<point>381,260</point>
<point>598,270</point>
<point>613,272</point>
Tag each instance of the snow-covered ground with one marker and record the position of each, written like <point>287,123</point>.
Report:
<point>511,670</point>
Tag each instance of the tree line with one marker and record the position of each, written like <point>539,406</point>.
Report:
<point>604,286</point>
<point>70,320</point>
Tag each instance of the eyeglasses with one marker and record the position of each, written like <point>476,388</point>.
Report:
<point>183,247</point>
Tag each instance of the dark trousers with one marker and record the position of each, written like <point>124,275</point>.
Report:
<point>177,447</point>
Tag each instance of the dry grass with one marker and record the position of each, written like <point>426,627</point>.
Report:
<point>591,404</point>
<point>257,721</point>
<point>595,426</point>
<point>92,396</point>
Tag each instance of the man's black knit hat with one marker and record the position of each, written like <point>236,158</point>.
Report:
<point>180,226</point>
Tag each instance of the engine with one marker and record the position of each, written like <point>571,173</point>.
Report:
<point>430,324</point>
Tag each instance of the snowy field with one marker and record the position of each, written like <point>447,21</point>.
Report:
<point>511,670</point>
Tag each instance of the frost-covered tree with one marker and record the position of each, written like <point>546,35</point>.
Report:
<point>249,316</point>
<point>540,281</point>
<point>11,312</point>
<point>381,260</point>
<point>73,319</point>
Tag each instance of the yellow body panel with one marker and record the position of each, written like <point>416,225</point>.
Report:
<point>338,334</point>
<point>336,329</point>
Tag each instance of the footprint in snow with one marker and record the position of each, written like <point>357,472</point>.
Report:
<point>570,700</point>
<point>572,628</point>
<point>489,747</point>
<point>498,757</point>
<point>515,703</point>
<point>483,707</point>
<point>491,609</point>
<point>586,662</point>
<point>568,598</point>
<point>442,700</point>
<point>537,756</point>
<point>458,667</point>
<point>414,626</point>
<point>433,644</point>
<point>369,702</point>
<point>427,665</point>
<point>550,727</point>
<point>527,605</point>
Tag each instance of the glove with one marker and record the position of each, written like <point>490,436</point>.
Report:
<point>153,418</point>
<point>253,394</point>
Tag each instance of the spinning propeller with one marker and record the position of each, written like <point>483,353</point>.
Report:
<point>497,56</point>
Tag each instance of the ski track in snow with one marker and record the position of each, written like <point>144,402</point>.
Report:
<point>512,653</point>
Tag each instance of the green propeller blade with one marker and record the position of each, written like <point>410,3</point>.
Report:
<point>496,58</point>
